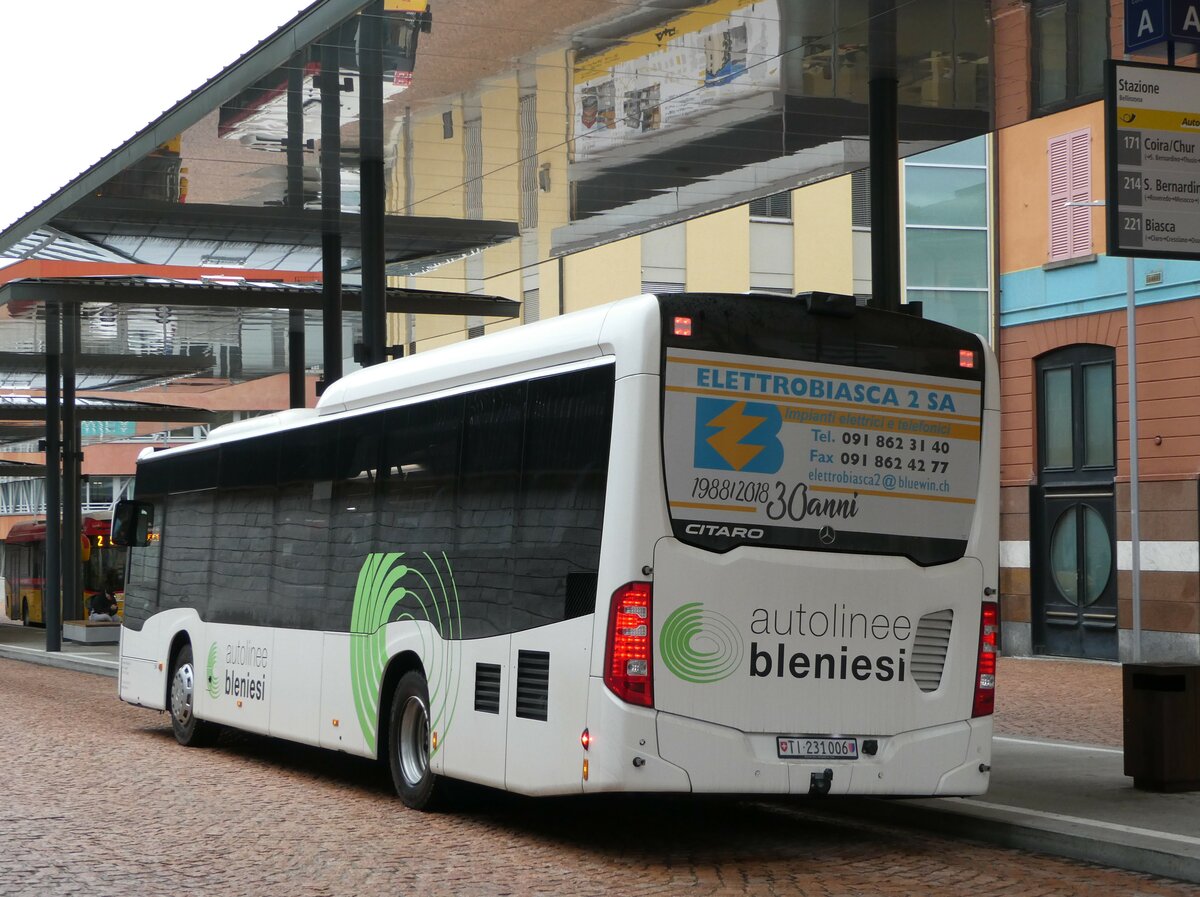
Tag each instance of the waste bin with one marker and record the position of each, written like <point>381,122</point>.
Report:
<point>1162,725</point>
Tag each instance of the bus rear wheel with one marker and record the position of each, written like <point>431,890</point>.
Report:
<point>189,731</point>
<point>409,744</point>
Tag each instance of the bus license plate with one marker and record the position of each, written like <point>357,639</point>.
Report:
<point>806,748</point>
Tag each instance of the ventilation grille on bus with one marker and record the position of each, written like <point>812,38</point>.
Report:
<point>487,687</point>
<point>929,649</point>
<point>533,684</point>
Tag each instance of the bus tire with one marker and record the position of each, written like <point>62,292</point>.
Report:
<point>408,744</point>
<point>189,731</point>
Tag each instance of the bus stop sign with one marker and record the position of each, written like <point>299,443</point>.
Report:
<point>1185,21</point>
<point>1145,23</point>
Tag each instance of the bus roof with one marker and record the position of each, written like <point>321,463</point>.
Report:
<point>98,524</point>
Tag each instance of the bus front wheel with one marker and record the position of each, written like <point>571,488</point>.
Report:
<point>409,744</point>
<point>189,731</point>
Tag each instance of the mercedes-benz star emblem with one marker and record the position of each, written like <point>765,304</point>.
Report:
<point>827,535</point>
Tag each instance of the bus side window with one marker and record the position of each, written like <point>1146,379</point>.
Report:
<point>419,479</point>
<point>488,482</point>
<point>187,551</point>
<point>301,538</point>
<point>352,510</point>
<point>561,510</point>
<point>141,586</point>
<point>243,534</point>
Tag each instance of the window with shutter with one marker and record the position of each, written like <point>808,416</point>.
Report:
<point>1070,183</point>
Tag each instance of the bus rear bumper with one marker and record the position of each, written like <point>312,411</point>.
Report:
<point>952,759</point>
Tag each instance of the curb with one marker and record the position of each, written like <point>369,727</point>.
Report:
<point>61,661</point>
<point>1014,828</point>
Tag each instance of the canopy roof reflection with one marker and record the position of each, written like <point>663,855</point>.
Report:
<point>580,122</point>
<point>226,292</point>
<point>266,237</point>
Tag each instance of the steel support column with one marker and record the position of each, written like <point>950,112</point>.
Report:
<point>52,592</point>
<point>372,191</point>
<point>884,140</point>
<point>295,200</point>
<point>331,208</point>
<point>72,599</point>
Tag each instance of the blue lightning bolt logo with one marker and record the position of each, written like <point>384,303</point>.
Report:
<point>742,436</point>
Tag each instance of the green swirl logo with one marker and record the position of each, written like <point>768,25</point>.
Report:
<point>700,646</point>
<point>394,587</point>
<point>214,686</point>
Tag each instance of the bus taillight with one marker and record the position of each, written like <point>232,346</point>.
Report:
<point>628,671</point>
<point>985,671</point>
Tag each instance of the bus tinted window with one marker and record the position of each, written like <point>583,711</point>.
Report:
<point>141,587</point>
<point>242,540</point>
<point>503,488</point>
<point>561,510</point>
<point>485,522</point>
<point>353,512</point>
<point>187,550</point>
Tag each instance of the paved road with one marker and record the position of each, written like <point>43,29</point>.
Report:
<point>97,799</point>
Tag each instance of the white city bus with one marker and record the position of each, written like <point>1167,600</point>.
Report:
<point>710,543</point>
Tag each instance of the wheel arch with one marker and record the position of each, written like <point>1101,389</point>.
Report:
<point>178,640</point>
<point>397,667</point>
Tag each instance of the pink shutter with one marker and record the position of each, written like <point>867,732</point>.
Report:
<point>1070,181</point>
<point>1081,191</point>
<point>1060,192</point>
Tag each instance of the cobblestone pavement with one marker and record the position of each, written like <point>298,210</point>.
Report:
<point>97,799</point>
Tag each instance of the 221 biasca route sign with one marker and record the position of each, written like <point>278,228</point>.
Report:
<point>1152,121</point>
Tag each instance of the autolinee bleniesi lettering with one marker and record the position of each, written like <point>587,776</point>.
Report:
<point>246,671</point>
<point>837,622</point>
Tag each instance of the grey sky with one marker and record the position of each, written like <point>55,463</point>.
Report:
<point>80,77</point>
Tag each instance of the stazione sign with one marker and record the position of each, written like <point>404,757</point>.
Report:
<point>1152,126</point>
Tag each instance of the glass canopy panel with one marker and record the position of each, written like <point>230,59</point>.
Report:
<point>578,122</point>
<point>512,137</point>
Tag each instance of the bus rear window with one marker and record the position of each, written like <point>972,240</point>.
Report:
<point>787,429</point>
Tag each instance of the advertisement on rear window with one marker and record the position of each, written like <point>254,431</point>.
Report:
<point>756,447</point>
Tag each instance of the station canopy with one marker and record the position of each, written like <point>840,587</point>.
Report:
<point>516,131</point>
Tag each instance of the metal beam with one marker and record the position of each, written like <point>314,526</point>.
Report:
<point>406,237</point>
<point>331,210</point>
<point>246,295</point>
<point>884,142</point>
<point>34,410</point>
<point>142,366</point>
<point>371,185</point>
<point>295,200</point>
<point>52,594</point>
<point>72,456</point>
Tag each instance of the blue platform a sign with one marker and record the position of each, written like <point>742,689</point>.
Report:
<point>1145,23</point>
<point>1185,21</point>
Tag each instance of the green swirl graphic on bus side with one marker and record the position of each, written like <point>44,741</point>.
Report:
<point>214,686</point>
<point>393,588</point>
<point>699,645</point>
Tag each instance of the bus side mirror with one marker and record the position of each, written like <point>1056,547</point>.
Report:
<point>131,523</point>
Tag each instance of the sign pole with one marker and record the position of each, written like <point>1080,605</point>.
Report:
<point>1135,542</point>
